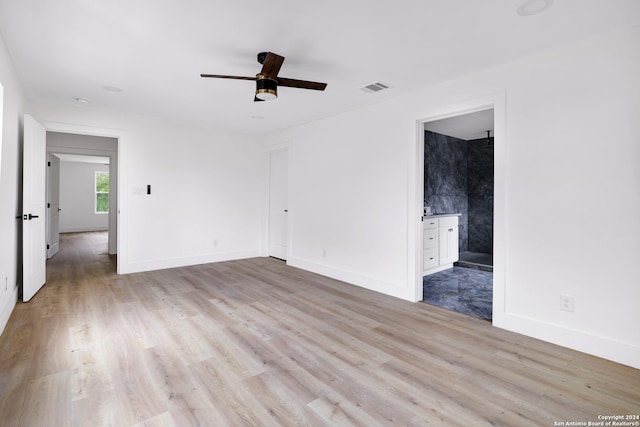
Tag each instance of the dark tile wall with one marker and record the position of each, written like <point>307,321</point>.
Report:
<point>480,180</point>
<point>445,178</point>
<point>458,177</point>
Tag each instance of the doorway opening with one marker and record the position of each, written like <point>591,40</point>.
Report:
<point>36,143</point>
<point>278,239</point>
<point>82,191</point>
<point>458,222</point>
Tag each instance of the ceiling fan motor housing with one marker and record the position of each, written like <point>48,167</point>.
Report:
<point>266,89</point>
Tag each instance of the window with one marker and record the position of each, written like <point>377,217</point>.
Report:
<point>102,192</point>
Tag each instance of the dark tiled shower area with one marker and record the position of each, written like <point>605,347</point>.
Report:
<point>458,177</point>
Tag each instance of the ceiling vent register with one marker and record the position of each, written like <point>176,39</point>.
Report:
<point>374,87</point>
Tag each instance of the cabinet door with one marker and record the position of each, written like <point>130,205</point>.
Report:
<point>448,244</point>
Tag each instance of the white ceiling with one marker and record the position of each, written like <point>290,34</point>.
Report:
<point>466,127</point>
<point>155,50</point>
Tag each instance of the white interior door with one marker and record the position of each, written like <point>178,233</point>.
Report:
<point>53,204</point>
<point>33,208</point>
<point>278,204</point>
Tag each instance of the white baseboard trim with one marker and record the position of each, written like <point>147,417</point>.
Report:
<point>585,342</point>
<point>387,288</point>
<point>161,264</point>
<point>8,309</point>
<point>82,229</point>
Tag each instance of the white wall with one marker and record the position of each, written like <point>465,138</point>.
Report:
<point>10,173</point>
<point>206,186</point>
<point>77,197</point>
<point>572,192</point>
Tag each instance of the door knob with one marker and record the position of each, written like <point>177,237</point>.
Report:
<point>30,217</point>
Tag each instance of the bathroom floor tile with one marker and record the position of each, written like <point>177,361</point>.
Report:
<point>461,289</point>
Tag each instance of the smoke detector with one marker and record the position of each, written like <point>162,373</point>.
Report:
<point>534,7</point>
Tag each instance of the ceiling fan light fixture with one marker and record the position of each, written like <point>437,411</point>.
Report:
<point>266,89</point>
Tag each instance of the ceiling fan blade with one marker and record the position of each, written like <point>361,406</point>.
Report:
<point>271,66</point>
<point>302,84</point>
<point>218,76</point>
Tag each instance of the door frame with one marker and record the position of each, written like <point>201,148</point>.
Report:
<point>497,102</point>
<point>284,146</point>
<point>285,152</point>
<point>117,219</point>
<point>52,247</point>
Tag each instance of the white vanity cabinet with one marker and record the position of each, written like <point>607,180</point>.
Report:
<point>439,243</point>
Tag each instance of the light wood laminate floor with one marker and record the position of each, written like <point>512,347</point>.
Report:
<point>254,342</point>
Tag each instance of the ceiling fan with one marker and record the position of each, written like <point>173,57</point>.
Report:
<point>267,80</point>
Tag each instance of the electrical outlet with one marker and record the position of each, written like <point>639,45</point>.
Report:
<point>6,283</point>
<point>566,302</point>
